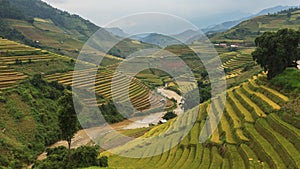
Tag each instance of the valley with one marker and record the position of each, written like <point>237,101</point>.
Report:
<point>256,124</point>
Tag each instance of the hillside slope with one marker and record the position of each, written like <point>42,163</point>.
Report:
<point>254,132</point>
<point>248,30</point>
<point>29,91</point>
<point>38,24</point>
<point>28,104</point>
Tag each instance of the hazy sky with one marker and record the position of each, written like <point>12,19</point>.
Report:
<point>202,13</point>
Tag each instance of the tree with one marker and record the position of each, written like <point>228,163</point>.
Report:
<point>37,80</point>
<point>67,118</point>
<point>289,14</point>
<point>17,61</point>
<point>277,50</point>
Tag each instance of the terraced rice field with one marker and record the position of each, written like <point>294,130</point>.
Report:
<point>9,78</point>
<point>140,95</point>
<point>245,138</point>
<point>237,63</point>
<point>11,51</point>
<point>15,53</point>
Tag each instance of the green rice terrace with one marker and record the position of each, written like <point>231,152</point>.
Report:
<point>250,135</point>
<point>139,94</point>
<point>14,53</point>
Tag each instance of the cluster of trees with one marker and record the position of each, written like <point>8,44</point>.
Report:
<point>41,97</point>
<point>277,50</point>
<point>84,156</point>
<point>204,91</point>
<point>110,112</point>
<point>8,11</point>
<point>169,115</point>
<point>289,11</point>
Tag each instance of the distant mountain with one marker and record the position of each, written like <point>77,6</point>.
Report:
<point>188,36</point>
<point>139,37</point>
<point>160,40</point>
<point>117,31</point>
<point>222,27</point>
<point>229,24</point>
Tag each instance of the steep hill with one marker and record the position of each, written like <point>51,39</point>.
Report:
<point>28,119</point>
<point>248,30</point>
<point>38,24</point>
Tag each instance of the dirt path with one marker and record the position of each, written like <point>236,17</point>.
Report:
<point>145,121</point>
<point>81,138</point>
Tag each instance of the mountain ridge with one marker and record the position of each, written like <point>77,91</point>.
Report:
<point>229,24</point>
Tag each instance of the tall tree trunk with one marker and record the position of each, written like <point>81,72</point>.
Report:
<point>69,151</point>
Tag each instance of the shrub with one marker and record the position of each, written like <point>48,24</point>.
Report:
<point>169,115</point>
<point>82,157</point>
<point>85,156</point>
<point>288,80</point>
<point>103,161</point>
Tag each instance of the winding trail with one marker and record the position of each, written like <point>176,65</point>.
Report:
<point>171,94</point>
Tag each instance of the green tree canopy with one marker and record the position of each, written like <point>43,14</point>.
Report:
<point>68,118</point>
<point>277,50</point>
<point>84,156</point>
